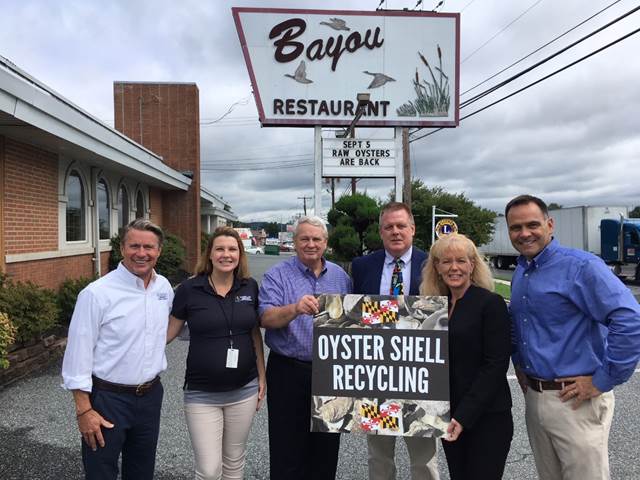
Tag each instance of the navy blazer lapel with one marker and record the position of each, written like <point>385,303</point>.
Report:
<point>376,274</point>
<point>417,260</point>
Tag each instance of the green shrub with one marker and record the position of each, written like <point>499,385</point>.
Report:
<point>169,263</point>
<point>32,309</point>
<point>7,337</point>
<point>67,296</point>
<point>204,241</point>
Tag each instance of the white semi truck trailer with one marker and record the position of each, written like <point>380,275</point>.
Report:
<point>602,230</point>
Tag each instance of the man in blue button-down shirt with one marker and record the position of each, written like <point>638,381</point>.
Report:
<point>576,336</point>
<point>287,305</point>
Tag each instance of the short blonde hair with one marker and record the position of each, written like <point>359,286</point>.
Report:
<point>205,266</point>
<point>432,284</point>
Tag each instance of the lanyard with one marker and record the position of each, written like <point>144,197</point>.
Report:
<point>221,303</point>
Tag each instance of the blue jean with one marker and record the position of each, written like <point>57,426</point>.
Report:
<point>134,434</point>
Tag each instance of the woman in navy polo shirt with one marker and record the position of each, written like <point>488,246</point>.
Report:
<point>225,378</point>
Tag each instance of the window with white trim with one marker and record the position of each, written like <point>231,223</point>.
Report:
<point>123,207</point>
<point>139,205</point>
<point>104,214</point>
<point>76,210</point>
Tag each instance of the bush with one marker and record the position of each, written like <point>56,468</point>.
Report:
<point>170,260</point>
<point>32,309</point>
<point>67,296</point>
<point>204,241</point>
<point>7,337</point>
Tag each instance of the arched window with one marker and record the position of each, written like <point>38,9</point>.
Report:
<point>139,205</point>
<point>76,230</point>
<point>123,207</point>
<point>104,219</point>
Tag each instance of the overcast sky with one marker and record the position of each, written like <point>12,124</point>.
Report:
<point>573,139</point>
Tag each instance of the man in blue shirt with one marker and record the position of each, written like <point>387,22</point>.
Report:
<point>287,305</point>
<point>576,336</point>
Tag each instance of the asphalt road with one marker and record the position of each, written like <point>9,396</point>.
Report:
<point>39,440</point>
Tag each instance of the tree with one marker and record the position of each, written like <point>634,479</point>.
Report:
<point>355,226</point>
<point>554,206</point>
<point>272,229</point>
<point>635,213</point>
<point>473,221</point>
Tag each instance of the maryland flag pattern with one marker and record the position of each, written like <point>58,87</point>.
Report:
<point>374,417</point>
<point>384,311</point>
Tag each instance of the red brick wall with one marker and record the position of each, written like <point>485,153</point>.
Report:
<point>50,273</point>
<point>30,199</point>
<point>155,205</point>
<point>165,118</point>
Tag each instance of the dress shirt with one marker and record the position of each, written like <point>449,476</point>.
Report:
<point>387,272</point>
<point>118,331</point>
<point>572,316</point>
<point>286,283</point>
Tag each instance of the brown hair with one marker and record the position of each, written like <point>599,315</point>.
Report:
<point>432,284</point>
<point>394,207</point>
<point>205,266</point>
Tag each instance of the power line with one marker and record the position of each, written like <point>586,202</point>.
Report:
<point>255,158</point>
<point>242,101</point>
<point>465,7</point>
<point>624,37</point>
<point>532,67</point>
<point>545,60</point>
<point>541,47</point>
<point>499,32</point>
<point>232,168</point>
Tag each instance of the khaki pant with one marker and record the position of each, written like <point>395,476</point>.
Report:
<point>219,437</point>
<point>569,444</point>
<point>422,457</point>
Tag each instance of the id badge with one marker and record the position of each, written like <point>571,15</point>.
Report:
<point>232,358</point>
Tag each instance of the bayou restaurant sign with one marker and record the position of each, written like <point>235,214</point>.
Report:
<point>308,66</point>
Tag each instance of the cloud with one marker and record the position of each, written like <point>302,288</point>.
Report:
<point>572,139</point>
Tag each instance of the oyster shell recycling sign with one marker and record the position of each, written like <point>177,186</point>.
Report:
<point>381,365</point>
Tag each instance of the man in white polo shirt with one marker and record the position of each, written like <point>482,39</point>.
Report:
<point>115,352</point>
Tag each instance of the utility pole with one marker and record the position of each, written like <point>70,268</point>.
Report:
<point>406,168</point>
<point>304,200</point>
<point>353,180</point>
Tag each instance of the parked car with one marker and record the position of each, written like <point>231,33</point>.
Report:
<point>254,250</point>
<point>287,247</point>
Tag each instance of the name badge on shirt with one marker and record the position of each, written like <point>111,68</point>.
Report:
<point>163,296</point>
<point>232,358</point>
<point>244,298</point>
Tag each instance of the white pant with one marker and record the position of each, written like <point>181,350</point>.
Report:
<point>219,437</point>
<point>569,444</point>
<point>422,457</point>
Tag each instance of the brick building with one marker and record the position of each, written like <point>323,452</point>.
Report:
<point>68,181</point>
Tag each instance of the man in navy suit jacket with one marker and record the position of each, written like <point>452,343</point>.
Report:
<point>372,274</point>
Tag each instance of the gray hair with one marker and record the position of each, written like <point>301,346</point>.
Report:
<point>311,220</point>
<point>143,225</point>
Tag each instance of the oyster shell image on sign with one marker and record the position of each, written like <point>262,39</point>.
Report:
<point>380,365</point>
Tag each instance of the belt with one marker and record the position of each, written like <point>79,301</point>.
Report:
<point>540,385</point>
<point>138,390</point>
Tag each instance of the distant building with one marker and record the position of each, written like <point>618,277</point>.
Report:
<point>69,182</point>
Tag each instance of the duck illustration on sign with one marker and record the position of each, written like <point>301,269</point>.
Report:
<point>336,24</point>
<point>379,79</point>
<point>300,75</point>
